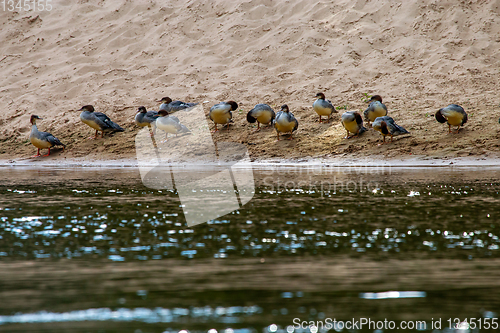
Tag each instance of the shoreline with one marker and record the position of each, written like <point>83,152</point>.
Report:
<point>339,162</point>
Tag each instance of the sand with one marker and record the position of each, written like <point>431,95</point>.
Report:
<point>118,55</point>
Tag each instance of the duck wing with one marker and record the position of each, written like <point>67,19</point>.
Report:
<point>105,123</point>
<point>50,138</point>
<point>178,105</point>
<point>184,129</point>
<point>330,105</point>
<point>152,115</point>
<point>174,118</point>
<point>394,128</point>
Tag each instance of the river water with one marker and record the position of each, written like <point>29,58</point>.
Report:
<point>95,250</point>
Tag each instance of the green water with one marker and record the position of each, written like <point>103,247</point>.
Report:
<point>308,245</point>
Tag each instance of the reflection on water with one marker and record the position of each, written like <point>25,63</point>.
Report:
<point>131,222</point>
<point>88,245</point>
<point>156,315</point>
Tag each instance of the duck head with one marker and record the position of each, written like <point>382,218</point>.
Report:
<point>440,117</point>
<point>166,100</point>
<point>375,98</point>
<point>233,104</point>
<point>33,119</point>
<point>358,118</point>
<point>320,95</point>
<point>284,108</point>
<point>141,109</point>
<point>163,113</point>
<point>383,128</point>
<point>88,108</point>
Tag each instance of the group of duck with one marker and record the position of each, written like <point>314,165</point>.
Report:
<point>221,114</point>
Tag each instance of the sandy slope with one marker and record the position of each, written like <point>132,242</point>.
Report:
<point>118,55</point>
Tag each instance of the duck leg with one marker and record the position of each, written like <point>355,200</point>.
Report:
<point>449,128</point>
<point>258,126</point>
<point>278,133</point>
<point>93,137</point>
<point>458,129</point>
<point>48,153</point>
<point>291,136</point>
<point>102,134</point>
<point>355,135</point>
<point>166,138</point>
<point>383,141</point>
<point>216,129</point>
<point>38,153</point>
<point>320,120</point>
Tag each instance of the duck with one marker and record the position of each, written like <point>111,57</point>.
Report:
<point>145,118</point>
<point>221,113</point>
<point>285,122</point>
<point>172,106</point>
<point>353,123</point>
<point>262,114</point>
<point>42,140</point>
<point>98,121</point>
<point>387,126</point>
<point>170,124</point>
<point>375,109</point>
<point>323,107</point>
<point>454,114</point>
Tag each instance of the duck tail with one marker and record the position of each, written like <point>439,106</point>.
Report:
<point>59,143</point>
<point>116,127</point>
<point>184,129</point>
<point>55,141</point>
<point>333,107</point>
<point>365,114</point>
<point>402,130</point>
<point>362,130</point>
